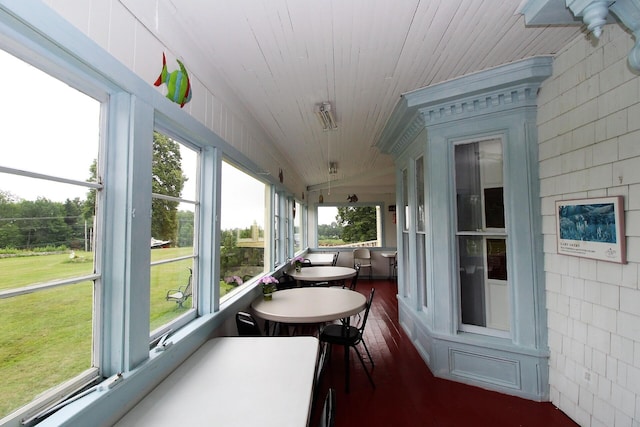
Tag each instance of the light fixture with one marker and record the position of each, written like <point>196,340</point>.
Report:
<point>333,168</point>
<point>325,115</point>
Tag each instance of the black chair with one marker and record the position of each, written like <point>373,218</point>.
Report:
<point>335,259</point>
<point>354,280</point>
<point>349,337</point>
<point>328,416</point>
<point>247,325</point>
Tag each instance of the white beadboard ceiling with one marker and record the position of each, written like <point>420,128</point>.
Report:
<point>282,57</point>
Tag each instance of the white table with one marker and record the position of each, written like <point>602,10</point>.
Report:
<point>320,258</point>
<point>310,305</point>
<point>235,382</point>
<point>391,257</point>
<point>322,274</point>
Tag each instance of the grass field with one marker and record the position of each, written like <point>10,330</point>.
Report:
<point>46,337</point>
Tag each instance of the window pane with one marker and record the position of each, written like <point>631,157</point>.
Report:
<point>405,198</point>
<point>420,214</point>
<point>243,214</point>
<point>46,232</point>
<point>478,183</point>
<point>52,346</point>
<point>174,209</point>
<point>497,259</point>
<point>348,226</point>
<point>484,289</point>
<point>468,187</point>
<point>328,230</point>
<point>171,293</point>
<point>297,227</point>
<point>472,292</point>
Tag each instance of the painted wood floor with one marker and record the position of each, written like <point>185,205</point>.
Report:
<point>406,392</point>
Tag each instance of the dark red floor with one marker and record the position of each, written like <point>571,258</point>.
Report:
<point>406,392</point>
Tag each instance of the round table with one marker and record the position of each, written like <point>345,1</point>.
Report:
<point>310,305</point>
<point>322,274</point>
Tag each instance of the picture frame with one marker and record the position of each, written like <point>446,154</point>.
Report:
<point>592,228</point>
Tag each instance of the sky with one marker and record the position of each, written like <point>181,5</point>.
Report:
<point>50,128</point>
<point>327,214</point>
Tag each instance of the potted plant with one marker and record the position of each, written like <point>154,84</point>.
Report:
<point>297,263</point>
<point>268,284</point>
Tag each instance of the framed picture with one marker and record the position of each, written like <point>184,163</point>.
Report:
<point>592,228</point>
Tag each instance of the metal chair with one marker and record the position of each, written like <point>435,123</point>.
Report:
<point>328,416</point>
<point>354,280</point>
<point>334,262</point>
<point>349,337</point>
<point>247,325</point>
<point>362,256</point>
<point>183,293</point>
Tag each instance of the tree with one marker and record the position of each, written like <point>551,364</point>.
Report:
<point>358,222</point>
<point>10,236</point>
<point>89,206</point>
<point>42,223</point>
<point>185,229</point>
<point>74,219</point>
<point>168,180</point>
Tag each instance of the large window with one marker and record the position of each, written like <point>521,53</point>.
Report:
<point>243,219</point>
<point>421,235</point>
<point>405,221</point>
<point>349,225</point>
<point>297,227</point>
<point>48,178</point>
<point>174,207</point>
<point>482,239</point>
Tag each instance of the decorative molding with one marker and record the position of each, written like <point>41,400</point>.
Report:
<point>489,91</point>
<point>594,14</point>
<point>468,107</point>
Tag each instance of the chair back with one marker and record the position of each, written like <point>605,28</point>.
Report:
<point>328,417</point>
<point>188,289</point>
<point>361,253</point>
<point>335,259</point>
<point>366,312</point>
<point>354,279</point>
<point>247,325</point>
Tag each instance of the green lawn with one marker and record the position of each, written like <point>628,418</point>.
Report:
<point>45,337</point>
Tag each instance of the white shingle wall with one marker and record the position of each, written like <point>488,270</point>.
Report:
<point>589,146</point>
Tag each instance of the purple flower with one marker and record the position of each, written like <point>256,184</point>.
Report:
<point>297,260</point>
<point>267,280</point>
<point>234,279</point>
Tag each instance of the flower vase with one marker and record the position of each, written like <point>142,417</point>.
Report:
<point>298,268</point>
<point>267,292</point>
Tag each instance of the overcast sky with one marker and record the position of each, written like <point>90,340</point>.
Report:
<point>51,128</point>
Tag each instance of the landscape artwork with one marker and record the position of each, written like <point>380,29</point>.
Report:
<point>592,228</point>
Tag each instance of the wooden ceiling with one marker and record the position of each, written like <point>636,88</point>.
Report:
<point>282,57</point>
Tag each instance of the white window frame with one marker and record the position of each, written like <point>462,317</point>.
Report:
<point>486,233</point>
